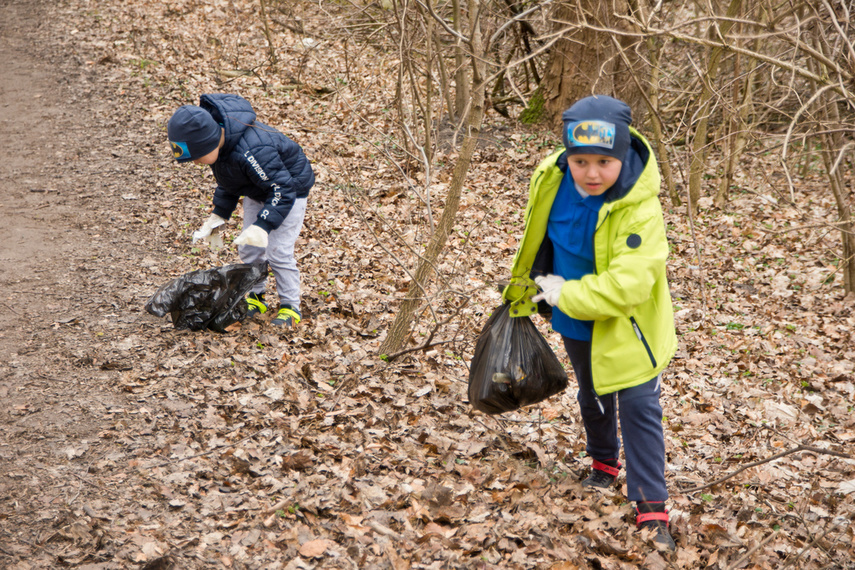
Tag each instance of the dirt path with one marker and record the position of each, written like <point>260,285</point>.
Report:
<point>58,400</point>
<point>87,237</point>
<point>34,225</point>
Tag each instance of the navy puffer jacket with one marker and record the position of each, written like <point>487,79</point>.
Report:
<point>256,161</point>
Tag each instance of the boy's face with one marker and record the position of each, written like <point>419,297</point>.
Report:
<point>209,158</point>
<point>212,156</point>
<point>594,173</point>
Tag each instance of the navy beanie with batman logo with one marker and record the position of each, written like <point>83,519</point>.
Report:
<point>597,125</point>
<point>192,133</point>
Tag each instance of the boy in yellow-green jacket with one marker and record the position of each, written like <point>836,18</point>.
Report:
<point>594,248</point>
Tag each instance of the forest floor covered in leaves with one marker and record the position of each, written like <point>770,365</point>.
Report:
<point>128,444</point>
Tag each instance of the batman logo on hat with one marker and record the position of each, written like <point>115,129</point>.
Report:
<point>180,150</point>
<point>591,133</point>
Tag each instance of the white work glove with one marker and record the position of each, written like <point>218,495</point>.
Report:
<point>253,235</point>
<point>550,286</point>
<point>213,221</point>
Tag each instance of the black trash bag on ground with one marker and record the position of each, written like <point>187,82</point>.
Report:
<point>513,365</point>
<point>207,298</point>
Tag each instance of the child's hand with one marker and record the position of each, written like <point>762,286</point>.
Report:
<point>213,221</point>
<point>253,235</point>
<point>551,288</point>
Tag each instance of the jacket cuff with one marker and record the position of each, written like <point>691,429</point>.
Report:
<point>264,224</point>
<point>223,212</point>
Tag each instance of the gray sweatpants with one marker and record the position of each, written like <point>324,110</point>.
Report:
<point>280,250</point>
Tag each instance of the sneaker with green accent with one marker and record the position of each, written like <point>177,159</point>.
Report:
<point>287,317</point>
<point>255,305</point>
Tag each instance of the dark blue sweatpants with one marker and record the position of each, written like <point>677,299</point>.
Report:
<point>640,423</point>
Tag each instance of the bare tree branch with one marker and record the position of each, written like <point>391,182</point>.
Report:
<point>767,460</point>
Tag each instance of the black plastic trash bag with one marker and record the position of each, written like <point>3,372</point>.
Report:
<point>207,298</point>
<point>513,365</point>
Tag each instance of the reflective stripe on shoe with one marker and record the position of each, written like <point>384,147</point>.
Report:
<point>255,306</point>
<point>287,317</point>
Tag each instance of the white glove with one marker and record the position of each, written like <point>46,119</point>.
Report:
<point>551,286</point>
<point>213,221</point>
<point>253,235</point>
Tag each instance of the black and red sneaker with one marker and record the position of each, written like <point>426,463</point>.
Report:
<point>603,474</point>
<point>654,515</point>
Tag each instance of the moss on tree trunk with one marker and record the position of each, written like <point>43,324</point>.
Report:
<point>533,114</point>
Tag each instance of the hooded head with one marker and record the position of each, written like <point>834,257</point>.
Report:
<point>597,125</point>
<point>192,133</point>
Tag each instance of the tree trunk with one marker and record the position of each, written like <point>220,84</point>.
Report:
<point>575,64</point>
<point>584,61</point>
<point>415,292</point>
<point>833,145</point>
<point>461,83</point>
<point>699,143</point>
<point>738,127</point>
<point>846,225</point>
<point>271,50</point>
<point>658,134</point>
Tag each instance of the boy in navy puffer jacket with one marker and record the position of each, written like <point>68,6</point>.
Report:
<point>270,171</point>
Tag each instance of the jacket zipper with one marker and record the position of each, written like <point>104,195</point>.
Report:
<point>608,213</point>
<point>594,390</point>
<point>596,272</point>
<point>643,341</point>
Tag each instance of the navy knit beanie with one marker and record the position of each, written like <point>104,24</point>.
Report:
<point>597,125</point>
<point>192,132</point>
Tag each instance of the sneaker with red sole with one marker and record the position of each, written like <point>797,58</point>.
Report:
<point>654,516</point>
<point>603,474</point>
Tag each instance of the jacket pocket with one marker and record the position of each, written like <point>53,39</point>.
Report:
<point>643,340</point>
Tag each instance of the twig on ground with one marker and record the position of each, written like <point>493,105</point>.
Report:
<point>810,545</point>
<point>210,451</point>
<point>391,357</point>
<point>767,460</point>
<point>752,550</point>
<point>6,552</point>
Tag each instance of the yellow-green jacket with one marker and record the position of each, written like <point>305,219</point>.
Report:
<point>627,296</point>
